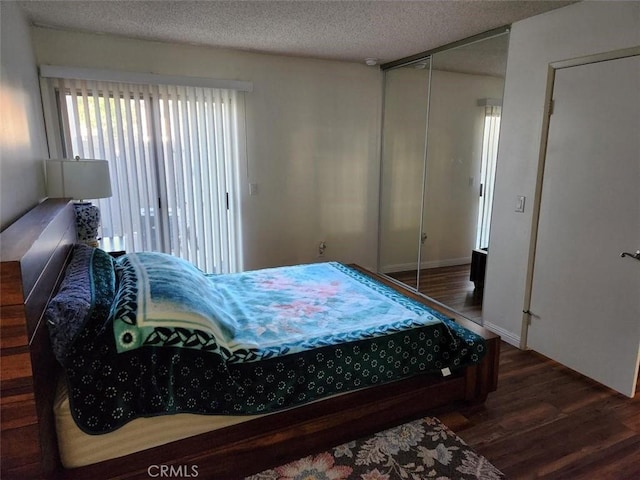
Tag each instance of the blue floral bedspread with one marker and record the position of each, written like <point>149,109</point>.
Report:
<point>277,338</point>
<point>287,310</point>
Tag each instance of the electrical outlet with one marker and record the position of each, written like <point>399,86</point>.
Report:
<point>322,246</point>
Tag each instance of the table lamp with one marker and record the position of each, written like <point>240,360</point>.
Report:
<point>80,179</point>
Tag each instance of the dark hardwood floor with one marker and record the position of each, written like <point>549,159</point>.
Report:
<point>448,285</point>
<point>546,421</point>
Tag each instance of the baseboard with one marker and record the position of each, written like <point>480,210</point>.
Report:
<point>447,262</point>
<point>507,336</point>
<point>399,267</point>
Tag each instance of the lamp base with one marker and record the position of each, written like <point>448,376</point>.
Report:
<point>87,223</point>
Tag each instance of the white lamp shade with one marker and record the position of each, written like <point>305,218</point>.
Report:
<point>78,179</point>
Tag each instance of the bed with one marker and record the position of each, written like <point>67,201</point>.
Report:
<point>35,252</point>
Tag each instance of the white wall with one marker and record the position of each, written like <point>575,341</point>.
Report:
<point>22,136</point>
<point>578,30</point>
<point>313,131</point>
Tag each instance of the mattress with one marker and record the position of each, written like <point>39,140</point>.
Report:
<point>78,448</point>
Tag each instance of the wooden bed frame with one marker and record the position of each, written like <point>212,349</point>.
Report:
<point>34,251</point>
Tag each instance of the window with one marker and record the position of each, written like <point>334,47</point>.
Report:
<point>491,134</point>
<point>173,157</point>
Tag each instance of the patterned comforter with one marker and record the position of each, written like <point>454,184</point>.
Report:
<point>164,338</point>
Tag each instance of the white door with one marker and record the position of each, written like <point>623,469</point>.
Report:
<point>585,298</point>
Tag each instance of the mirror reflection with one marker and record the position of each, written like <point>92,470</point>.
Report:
<point>440,137</point>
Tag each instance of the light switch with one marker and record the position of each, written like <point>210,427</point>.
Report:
<point>520,204</point>
<point>253,189</point>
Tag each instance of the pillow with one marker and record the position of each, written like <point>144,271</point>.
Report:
<point>163,300</point>
<point>89,275</point>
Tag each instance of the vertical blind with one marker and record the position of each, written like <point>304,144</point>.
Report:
<point>173,157</point>
<point>490,139</point>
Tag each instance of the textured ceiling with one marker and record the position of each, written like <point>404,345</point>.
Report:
<point>338,30</point>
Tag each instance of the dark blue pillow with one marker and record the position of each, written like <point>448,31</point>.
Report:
<point>69,309</point>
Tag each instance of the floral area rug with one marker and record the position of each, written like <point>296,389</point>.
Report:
<point>423,449</point>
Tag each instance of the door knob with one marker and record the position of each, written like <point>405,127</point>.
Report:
<point>632,255</point>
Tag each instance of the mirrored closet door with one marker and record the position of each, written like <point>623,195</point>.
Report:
<point>440,135</point>
<point>402,178</point>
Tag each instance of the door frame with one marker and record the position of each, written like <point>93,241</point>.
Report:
<point>535,216</point>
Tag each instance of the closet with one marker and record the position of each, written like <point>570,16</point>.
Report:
<point>441,123</point>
